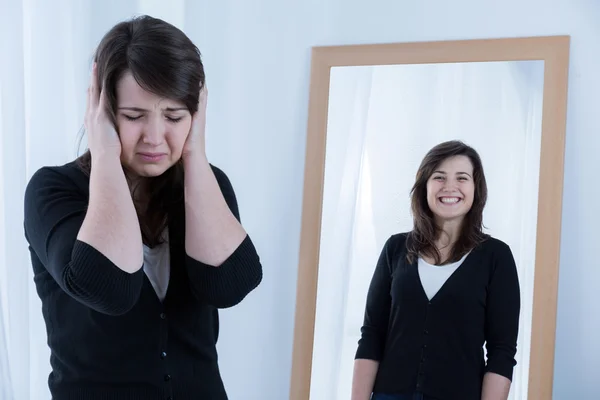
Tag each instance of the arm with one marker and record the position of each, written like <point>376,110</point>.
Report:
<point>495,387</point>
<point>55,210</point>
<point>363,378</point>
<point>374,331</point>
<point>111,223</point>
<point>502,326</point>
<point>222,262</point>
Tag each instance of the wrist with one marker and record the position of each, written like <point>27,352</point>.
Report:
<point>106,159</point>
<point>194,161</point>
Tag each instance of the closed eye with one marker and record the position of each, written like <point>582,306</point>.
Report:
<point>170,119</point>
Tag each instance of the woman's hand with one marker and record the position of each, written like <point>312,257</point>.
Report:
<point>103,139</point>
<point>195,143</point>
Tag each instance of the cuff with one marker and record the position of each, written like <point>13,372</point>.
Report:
<point>228,284</point>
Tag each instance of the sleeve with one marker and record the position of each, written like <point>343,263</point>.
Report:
<point>377,311</point>
<point>227,285</point>
<point>502,314</point>
<point>54,212</point>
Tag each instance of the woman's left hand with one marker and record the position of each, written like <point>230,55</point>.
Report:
<point>195,143</point>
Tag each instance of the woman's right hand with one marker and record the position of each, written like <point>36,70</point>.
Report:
<point>102,136</point>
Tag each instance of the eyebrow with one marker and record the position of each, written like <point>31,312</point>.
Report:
<point>138,109</point>
<point>458,173</point>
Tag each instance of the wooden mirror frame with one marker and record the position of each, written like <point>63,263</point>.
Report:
<point>554,51</point>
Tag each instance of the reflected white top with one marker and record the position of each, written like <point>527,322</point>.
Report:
<point>433,277</point>
<point>157,267</point>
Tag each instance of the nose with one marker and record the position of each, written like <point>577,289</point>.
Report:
<point>449,185</point>
<point>154,132</point>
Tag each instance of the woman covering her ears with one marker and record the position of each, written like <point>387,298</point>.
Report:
<point>138,243</point>
<point>439,293</point>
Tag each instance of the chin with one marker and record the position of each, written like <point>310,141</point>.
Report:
<point>453,217</point>
<point>150,171</point>
<point>450,216</point>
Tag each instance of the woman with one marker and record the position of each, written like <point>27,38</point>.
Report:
<point>136,244</point>
<point>439,293</point>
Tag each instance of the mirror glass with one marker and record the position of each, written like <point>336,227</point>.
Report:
<point>382,120</point>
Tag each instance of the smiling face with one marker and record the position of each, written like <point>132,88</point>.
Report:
<point>451,189</point>
<point>152,129</point>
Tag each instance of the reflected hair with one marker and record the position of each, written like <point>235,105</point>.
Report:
<point>421,240</point>
<point>163,61</point>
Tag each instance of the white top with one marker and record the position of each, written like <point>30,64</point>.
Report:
<point>433,277</point>
<point>157,267</point>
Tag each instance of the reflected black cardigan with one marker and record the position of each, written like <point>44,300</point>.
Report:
<point>436,346</point>
<point>109,334</point>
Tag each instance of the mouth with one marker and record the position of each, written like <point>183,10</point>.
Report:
<point>152,157</point>
<point>449,200</point>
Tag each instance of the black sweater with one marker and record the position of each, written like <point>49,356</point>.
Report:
<point>436,347</point>
<point>109,334</point>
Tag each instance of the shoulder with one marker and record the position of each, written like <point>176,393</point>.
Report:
<point>62,177</point>
<point>226,189</point>
<point>222,177</point>
<point>397,239</point>
<point>396,244</point>
<point>497,253</point>
<point>54,192</point>
<point>495,246</point>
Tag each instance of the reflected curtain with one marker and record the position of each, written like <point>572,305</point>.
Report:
<point>382,120</point>
<point>348,119</point>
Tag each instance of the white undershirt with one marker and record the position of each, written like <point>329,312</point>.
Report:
<point>157,266</point>
<point>433,277</point>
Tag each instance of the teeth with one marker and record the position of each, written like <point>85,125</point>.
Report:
<point>449,200</point>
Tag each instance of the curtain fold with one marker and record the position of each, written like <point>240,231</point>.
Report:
<point>348,119</point>
<point>14,275</point>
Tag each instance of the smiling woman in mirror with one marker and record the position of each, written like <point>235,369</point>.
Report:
<point>442,313</point>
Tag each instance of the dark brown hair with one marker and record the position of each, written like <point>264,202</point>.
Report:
<point>421,240</point>
<point>163,61</point>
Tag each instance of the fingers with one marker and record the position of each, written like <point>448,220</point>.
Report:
<point>96,97</point>
<point>202,97</point>
<point>102,101</point>
<point>199,117</point>
<point>94,87</point>
<point>90,96</point>
<point>92,93</point>
<point>204,92</point>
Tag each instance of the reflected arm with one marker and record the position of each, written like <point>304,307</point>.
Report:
<point>374,330</point>
<point>502,326</point>
<point>363,378</point>
<point>495,387</point>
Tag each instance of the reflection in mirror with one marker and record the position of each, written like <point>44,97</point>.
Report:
<point>382,121</point>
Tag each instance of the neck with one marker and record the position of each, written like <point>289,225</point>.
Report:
<point>450,232</point>
<point>138,189</point>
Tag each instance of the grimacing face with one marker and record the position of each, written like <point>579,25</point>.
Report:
<point>152,129</point>
<point>451,189</point>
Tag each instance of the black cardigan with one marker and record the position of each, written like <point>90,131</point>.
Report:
<point>109,334</point>
<point>436,347</point>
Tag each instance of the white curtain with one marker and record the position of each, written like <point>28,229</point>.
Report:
<point>382,121</point>
<point>46,49</point>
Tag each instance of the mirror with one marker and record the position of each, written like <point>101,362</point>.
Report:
<point>375,112</point>
<point>382,120</point>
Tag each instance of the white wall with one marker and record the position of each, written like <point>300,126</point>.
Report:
<point>257,56</point>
